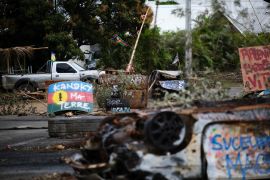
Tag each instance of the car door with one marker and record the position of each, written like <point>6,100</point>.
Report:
<point>65,71</point>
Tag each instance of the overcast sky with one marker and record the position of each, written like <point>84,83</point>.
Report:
<point>169,22</point>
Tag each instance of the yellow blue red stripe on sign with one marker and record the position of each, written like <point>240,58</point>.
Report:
<point>70,95</point>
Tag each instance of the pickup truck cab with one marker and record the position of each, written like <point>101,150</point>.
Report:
<point>56,71</point>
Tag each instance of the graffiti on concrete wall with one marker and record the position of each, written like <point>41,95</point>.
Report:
<point>237,151</point>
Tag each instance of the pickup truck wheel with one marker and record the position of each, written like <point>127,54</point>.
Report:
<point>25,87</point>
<point>89,80</point>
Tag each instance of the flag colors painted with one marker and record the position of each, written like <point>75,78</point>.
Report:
<point>70,95</point>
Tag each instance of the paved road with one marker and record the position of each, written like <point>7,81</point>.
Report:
<point>27,165</point>
<point>27,151</point>
<point>22,122</point>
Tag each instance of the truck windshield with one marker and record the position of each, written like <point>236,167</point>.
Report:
<point>78,67</point>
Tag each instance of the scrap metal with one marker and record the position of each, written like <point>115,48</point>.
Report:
<point>214,140</point>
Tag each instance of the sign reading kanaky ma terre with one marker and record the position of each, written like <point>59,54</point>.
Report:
<point>70,95</point>
<point>255,66</point>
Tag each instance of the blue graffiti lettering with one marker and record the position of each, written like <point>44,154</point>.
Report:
<point>227,145</point>
<point>216,144</point>
<point>245,142</point>
<point>261,166</point>
<point>234,144</point>
<point>258,163</point>
<point>239,143</point>
<point>233,165</point>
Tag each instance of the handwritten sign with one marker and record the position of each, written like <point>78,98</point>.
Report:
<point>70,95</point>
<point>117,105</point>
<point>255,66</point>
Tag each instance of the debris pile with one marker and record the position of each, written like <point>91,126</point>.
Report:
<point>196,143</point>
<point>126,147</point>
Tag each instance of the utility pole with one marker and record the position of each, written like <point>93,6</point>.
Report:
<point>188,45</point>
<point>157,4</point>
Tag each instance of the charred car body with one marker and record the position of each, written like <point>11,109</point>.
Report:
<point>221,140</point>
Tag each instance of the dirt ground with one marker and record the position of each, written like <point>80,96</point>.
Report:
<point>41,105</point>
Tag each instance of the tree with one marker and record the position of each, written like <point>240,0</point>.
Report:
<point>174,43</point>
<point>36,23</point>
<point>73,23</point>
<point>93,21</point>
<point>124,19</point>
<point>216,40</point>
<point>22,22</point>
<point>83,20</point>
<point>151,54</point>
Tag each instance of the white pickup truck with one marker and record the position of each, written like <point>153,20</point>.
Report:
<point>57,71</point>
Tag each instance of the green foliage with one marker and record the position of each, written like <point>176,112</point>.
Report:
<point>210,41</point>
<point>120,16</point>
<point>216,43</point>
<point>174,42</point>
<point>73,23</point>
<point>114,56</point>
<point>35,22</point>
<point>82,20</point>
<point>157,50</point>
<point>22,22</point>
<point>151,53</point>
<point>76,22</point>
<point>61,42</point>
<point>124,19</point>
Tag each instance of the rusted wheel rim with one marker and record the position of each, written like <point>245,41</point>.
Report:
<point>166,132</point>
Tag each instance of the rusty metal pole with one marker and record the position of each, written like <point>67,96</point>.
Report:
<point>188,45</point>
<point>129,66</point>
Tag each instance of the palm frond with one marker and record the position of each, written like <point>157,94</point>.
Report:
<point>14,55</point>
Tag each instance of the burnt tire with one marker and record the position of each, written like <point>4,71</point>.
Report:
<point>166,132</point>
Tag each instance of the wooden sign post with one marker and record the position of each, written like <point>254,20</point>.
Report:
<point>70,95</point>
<point>255,66</point>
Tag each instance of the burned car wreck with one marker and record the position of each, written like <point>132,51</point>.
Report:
<point>212,140</point>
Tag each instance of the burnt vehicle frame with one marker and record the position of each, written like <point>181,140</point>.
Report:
<point>126,137</point>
